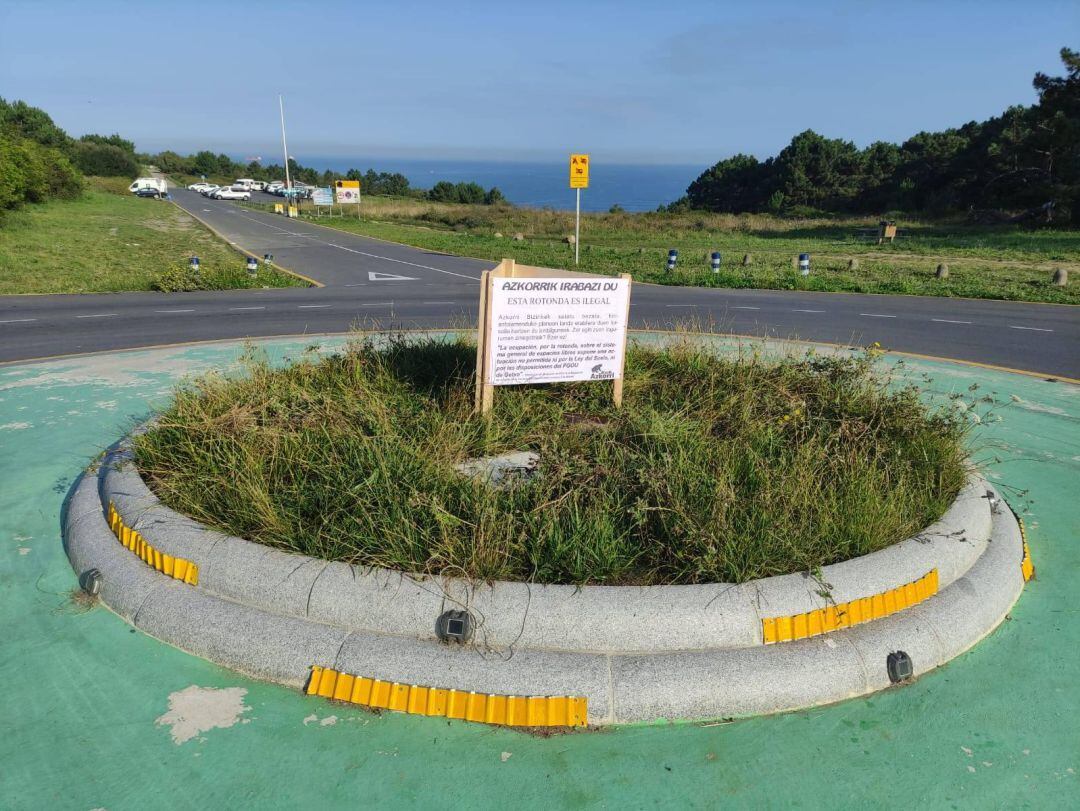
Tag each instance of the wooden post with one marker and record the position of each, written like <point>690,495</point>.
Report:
<point>481,342</point>
<point>617,383</point>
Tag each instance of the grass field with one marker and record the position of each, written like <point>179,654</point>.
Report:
<point>715,469</point>
<point>996,262</point>
<point>110,240</point>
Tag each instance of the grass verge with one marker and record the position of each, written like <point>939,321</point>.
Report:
<point>993,262</point>
<point>716,469</point>
<point>109,241</point>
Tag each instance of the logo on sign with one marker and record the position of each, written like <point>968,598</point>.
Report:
<point>598,372</point>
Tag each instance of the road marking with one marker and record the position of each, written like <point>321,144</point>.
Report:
<point>174,311</point>
<point>438,302</point>
<point>1033,329</point>
<point>807,311</point>
<point>877,315</point>
<point>358,284</point>
<point>313,306</point>
<point>379,304</point>
<point>247,308</point>
<point>97,315</point>
<point>17,320</point>
<point>361,253</point>
<point>737,307</point>
<point>374,276</point>
<point>949,321</point>
<point>680,305</point>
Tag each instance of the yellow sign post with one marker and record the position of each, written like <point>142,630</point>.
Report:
<point>579,179</point>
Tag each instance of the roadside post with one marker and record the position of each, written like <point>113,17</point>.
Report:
<point>252,266</point>
<point>348,191</point>
<point>715,261</point>
<point>543,325</point>
<point>579,179</point>
<point>195,265</point>
<point>804,264</point>
<point>672,259</point>
<point>268,259</point>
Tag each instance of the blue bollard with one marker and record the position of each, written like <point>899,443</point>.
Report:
<point>268,259</point>
<point>804,264</point>
<point>672,258</point>
<point>716,261</point>
<point>252,266</point>
<point>195,264</point>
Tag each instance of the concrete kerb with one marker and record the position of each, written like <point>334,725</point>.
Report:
<point>273,644</point>
<point>522,615</point>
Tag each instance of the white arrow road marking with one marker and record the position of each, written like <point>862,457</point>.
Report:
<point>374,276</point>
<point>1033,329</point>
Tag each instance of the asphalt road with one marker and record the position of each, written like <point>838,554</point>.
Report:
<point>370,283</point>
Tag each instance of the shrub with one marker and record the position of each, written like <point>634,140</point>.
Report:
<point>104,159</point>
<point>180,277</point>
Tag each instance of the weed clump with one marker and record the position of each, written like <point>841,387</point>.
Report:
<point>717,468</point>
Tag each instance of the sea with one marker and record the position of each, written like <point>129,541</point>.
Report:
<point>635,187</point>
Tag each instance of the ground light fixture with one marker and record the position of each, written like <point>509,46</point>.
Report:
<point>90,581</point>
<point>899,666</point>
<point>268,259</point>
<point>715,260</point>
<point>195,263</point>
<point>672,259</point>
<point>252,266</point>
<point>454,626</point>
<point>804,264</point>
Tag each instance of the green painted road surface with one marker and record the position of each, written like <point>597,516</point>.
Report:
<point>96,715</point>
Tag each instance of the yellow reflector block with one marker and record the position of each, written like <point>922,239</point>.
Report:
<point>854,612</point>
<point>532,711</point>
<point>177,568</point>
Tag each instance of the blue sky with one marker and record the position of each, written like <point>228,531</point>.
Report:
<point>655,82</point>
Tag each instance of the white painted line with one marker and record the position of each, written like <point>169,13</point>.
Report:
<point>247,308</point>
<point>375,276</point>
<point>876,315</point>
<point>97,315</point>
<point>807,311</point>
<point>312,306</point>
<point>174,311</point>
<point>379,304</point>
<point>737,307</point>
<point>949,321</point>
<point>438,302</point>
<point>17,320</point>
<point>359,284</point>
<point>680,305</point>
<point>1033,329</point>
<point>361,253</point>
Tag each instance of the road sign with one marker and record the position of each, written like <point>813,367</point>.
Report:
<point>348,191</point>
<point>323,197</point>
<point>579,171</point>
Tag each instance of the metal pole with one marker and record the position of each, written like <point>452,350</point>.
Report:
<point>284,146</point>
<point>577,228</point>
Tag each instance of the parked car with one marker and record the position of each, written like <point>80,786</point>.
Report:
<point>198,186</point>
<point>231,193</point>
<point>258,185</point>
<point>147,191</point>
<point>243,183</point>
<point>210,189</point>
<point>157,183</point>
<point>273,186</point>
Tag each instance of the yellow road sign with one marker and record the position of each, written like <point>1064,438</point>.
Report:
<point>579,171</point>
<point>347,184</point>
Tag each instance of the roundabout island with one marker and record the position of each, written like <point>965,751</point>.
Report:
<point>754,531</point>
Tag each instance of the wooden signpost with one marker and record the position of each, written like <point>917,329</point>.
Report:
<point>543,325</point>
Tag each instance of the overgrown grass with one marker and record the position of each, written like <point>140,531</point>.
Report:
<point>995,262</point>
<point>716,469</point>
<point>109,240</point>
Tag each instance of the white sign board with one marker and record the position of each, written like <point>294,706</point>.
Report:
<point>323,197</point>
<point>545,330</point>
<point>348,195</point>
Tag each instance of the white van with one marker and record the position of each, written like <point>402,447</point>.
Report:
<point>244,183</point>
<point>157,183</point>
